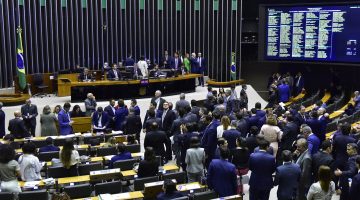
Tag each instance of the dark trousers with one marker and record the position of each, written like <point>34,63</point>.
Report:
<point>344,186</point>
<point>31,128</point>
<point>259,194</point>
<point>201,79</point>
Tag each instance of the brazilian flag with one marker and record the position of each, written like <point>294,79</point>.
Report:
<point>20,60</point>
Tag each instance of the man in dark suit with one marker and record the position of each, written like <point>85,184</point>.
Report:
<point>312,140</point>
<point>262,166</point>
<point>284,92</point>
<point>175,131</point>
<point>287,177</point>
<point>259,112</point>
<point>29,112</point>
<point>189,116</point>
<point>355,184</point>
<point>135,106</point>
<point>133,124</point>
<point>209,139</point>
<point>324,120</point>
<point>314,124</point>
<point>167,118</point>
<point>299,83</point>
<point>340,143</point>
<point>150,119</point>
<point>49,146</point>
<point>231,135</point>
<point>120,115</point>
<point>202,65</point>
<point>157,140</point>
<point>304,161</point>
<point>100,120</point>
<point>300,116</point>
<point>2,121</point>
<point>114,73</point>
<point>166,60</point>
<point>182,103</point>
<point>85,75</point>
<point>349,172</point>
<point>194,64</point>
<point>158,100</point>
<point>110,110</point>
<point>129,61</point>
<point>222,175</point>
<point>253,119</point>
<point>322,157</point>
<point>194,108</point>
<point>17,127</point>
<point>176,62</point>
<point>290,132</point>
<point>65,122</point>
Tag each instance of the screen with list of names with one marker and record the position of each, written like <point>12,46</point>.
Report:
<point>313,33</point>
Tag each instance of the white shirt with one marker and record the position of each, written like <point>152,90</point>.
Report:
<point>143,66</point>
<point>220,130</point>
<point>29,167</point>
<point>316,193</point>
<point>74,157</point>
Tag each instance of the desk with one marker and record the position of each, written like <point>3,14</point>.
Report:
<point>103,89</point>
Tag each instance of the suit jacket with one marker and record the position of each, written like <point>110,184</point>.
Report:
<point>262,166</point>
<point>202,64</point>
<point>339,147</point>
<point>242,125</point>
<point>110,111</point>
<point>136,110</point>
<point>173,63</point>
<point>300,119</point>
<point>111,74</point>
<point>169,61</point>
<point>167,121</point>
<point>355,187</point>
<point>29,111</point>
<point>104,119</point>
<point>315,126</point>
<point>129,62</point>
<point>82,76</point>
<point>209,140</point>
<point>222,177</point>
<point>157,140</point>
<point>132,124</point>
<point>2,123</point>
<point>251,143</point>
<point>175,127</point>
<point>17,128</point>
<point>49,148</point>
<point>231,136</point>
<point>160,104</point>
<point>64,126</point>
<point>290,132</point>
<point>313,144</point>
<point>321,158</point>
<point>284,92</point>
<point>182,103</point>
<point>194,65</point>
<point>190,117</point>
<point>120,115</point>
<point>323,123</point>
<point>90,106</point>
<point>305,162</point>
<point>287,177</point>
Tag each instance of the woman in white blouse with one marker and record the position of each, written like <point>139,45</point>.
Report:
<point>30,165</point>
<point>272,133</point>
<point>324,188</point>
<point>69,157</point>
<point>225,125</point>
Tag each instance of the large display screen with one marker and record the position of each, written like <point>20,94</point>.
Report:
<point>328,33</point>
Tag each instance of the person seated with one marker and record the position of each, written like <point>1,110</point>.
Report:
<point>350,109</point>
<point>149,166</point>
<point>111,142</point>
<point>78,69</point>
<point>49,146</point>
<point>156,72</point>
<point>123,155</point>
<point>85,76</point>
<point>170,191</point>
<point>30,165</point>
<point>114,73</point>
<point>9,139</point>
<point>77,112</point>
<point>131,140</point>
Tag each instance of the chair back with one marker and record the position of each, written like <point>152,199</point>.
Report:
<point>6,195</point>
<point>83,152</point>
<point>31,195</point>
<point>48,156</point>
<point>139,182</point>
<point>205,195</point>
<point>39,143</point>
<point>125,164</point>
<point>60,172</point>
<point>180,177</point>
<point>78,191</point>
<point>38,79</point>
<point>106,151</point>
<point>133,148</point>
<point>59,142</point>
<point>85,169</point>
<point>113,187</point>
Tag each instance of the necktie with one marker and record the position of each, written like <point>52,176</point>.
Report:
<point>163,117</point>
<point>176,63</point>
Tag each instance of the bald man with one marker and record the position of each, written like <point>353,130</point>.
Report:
<point>90,104</point>
<point>17,126</point>
<point>304,161</point>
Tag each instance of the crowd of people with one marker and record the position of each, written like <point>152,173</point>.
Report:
<point>219,140</point>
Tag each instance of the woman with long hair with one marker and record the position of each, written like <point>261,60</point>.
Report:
<point>9,170</point>
<point>69,157</point>
<point>195,159</point>
<point>272,133</point>
<point>77,112</point>
<point>324,188</point>
<point>149,166</point>
<point>225,125</point>
<point>48,122</point>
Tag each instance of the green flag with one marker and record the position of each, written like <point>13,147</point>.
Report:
<point>160,5</point>
<point>123,4</point>
<point>142,4</point>
<point>103,4</point>
<point>178,5</point>
<point>20,60</point>
<point>84,3</point>
<point>21,2</point>
<point>64,3</point>
<point>234,5</point>
<point>216,5</point>
<point>42,2</point>
<point>197,4</point>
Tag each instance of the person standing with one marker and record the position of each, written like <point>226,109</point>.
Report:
<point>272,133</point>
<point>176,63</point>
<point>195,160</point>
<point>158,100</point>
<point>132,124</point>
<point>243,96</point>
<point>304,161</point>
<point>110,110</point>
<point>100,120</point>
<point>30,166</point>
<point>65,120</point>
<point>157,139</point>
<point>120,115</point>
<point>355,184</point>
<point>143,66</point>
<point>262,166</point>
<point>287,177</point>
<point>2,121</point>
<point>167,118</point>
<point>299,83</point>
<point>17,126</point>
<point>284,92</point>
<point>9,170</point>
<point>48,123</point>
<point>90,104</point>
<point>324,188</point>
<point>201,69</point>
<point>186,62</point>
<point>69,157</point>
<point>29,113</point>
<point>209,139</point>
<point>222,175</point>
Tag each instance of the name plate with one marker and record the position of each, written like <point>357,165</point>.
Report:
<point>105,174</point>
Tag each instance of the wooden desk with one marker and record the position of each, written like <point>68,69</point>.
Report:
<point>67,86</point>
<point>81,124</point>
<point>225,84</point>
